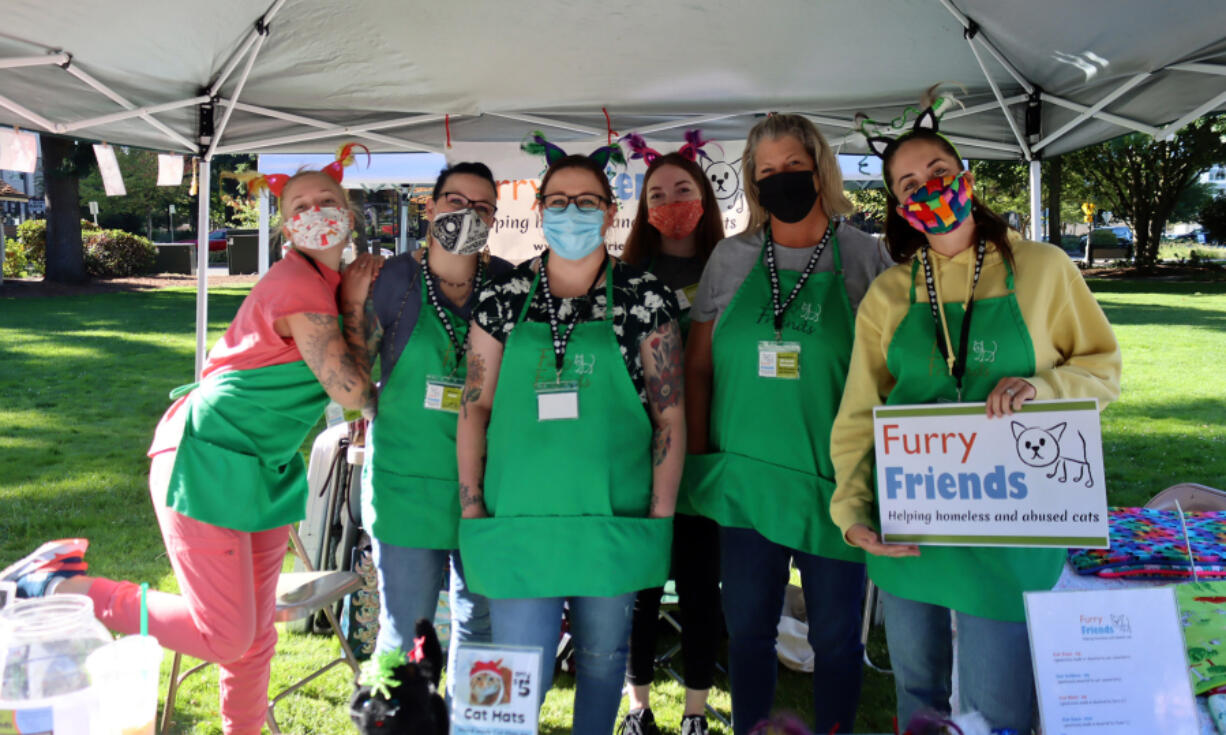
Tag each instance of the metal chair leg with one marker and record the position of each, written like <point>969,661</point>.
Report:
<point>871,593</point>
<point>172,688</point>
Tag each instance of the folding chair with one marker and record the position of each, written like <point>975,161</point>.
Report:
<point>664,661</point>
<point>1192,497</point>
<point>299,594</point>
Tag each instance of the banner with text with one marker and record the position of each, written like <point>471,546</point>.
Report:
<point>517,235</point>
<point>948,475</point>
<point>496,691</point>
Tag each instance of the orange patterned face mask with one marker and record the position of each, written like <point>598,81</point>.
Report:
<point>676,220</point>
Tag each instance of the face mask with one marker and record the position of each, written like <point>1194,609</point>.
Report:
<point>319,228</point>
<point>462,232</point>
<point>676,220</point>
<point>939,206</point>
<point>789,195</point>
<point>572,233</point>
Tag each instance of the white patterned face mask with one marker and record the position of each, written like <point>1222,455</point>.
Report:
<point>319,228</point>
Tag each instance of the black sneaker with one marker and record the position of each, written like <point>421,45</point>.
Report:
<point>694,725</point>
<point>638,722</point>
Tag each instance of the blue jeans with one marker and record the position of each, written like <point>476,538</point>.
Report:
<point>409,584</point>
<point>755,575</point>
<point>994,673</point>
<point>601,630</point>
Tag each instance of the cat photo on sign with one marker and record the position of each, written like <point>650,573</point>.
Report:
<point>489,683</point>
<point>1053,447</point>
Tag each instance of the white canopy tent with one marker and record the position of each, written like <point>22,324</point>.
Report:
<point>1042,77</point>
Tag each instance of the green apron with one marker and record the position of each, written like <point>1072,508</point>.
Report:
<point>238,464</point>
<point>409,479</point>
<point>770,469</point>
<point>982,581</point>
<point>568,499</point>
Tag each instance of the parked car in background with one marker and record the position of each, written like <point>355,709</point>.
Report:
<point>1102,235</point>
<point>1195,236</point>
<point>217,240</point>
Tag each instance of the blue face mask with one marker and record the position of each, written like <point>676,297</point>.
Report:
<point>573,233</point>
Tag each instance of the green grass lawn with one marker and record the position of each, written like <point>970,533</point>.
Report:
<point>84,379</point>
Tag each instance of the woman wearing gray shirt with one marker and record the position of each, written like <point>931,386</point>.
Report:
<point>765,365</point>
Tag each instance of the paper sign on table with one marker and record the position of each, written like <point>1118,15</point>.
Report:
<point>112,180</point>
<point>948,475</point>
<point>18,151</point>
<point>497,690</point>
<point>1110,661</point>
<point>170,169</point>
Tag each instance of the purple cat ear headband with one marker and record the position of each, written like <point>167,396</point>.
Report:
<point>691,151</point>
<point>538,146</point>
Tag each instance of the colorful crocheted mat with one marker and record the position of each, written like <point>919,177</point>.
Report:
<point>1149,543</point>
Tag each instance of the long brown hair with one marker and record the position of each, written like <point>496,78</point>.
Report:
<point>643,242</point>
<point>903,240</point>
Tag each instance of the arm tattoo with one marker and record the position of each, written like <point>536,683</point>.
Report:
<point>664,384</point>
<point>470,497</point>
<point>661,442</point>
<point>473,382</point>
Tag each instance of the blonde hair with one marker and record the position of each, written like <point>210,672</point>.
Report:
<point>304,173</point>
<point>829,175</point>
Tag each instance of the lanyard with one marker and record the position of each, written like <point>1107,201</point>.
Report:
<point>772,272</point>
<point>560,340</point>
<point>432,295</point>
<point>957,366</point>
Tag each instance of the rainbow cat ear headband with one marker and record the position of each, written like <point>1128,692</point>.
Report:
<point>693,148</point>
<point>274,183</point>
<point>537,145</point>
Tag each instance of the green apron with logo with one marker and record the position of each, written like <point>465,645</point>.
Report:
<point>983,581</point>
<point>238,464</point>
<point>409,481</point>
<point>568,499</point>
<point>770,469</point>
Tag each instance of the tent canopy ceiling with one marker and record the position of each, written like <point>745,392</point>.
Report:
<point>387,72</point>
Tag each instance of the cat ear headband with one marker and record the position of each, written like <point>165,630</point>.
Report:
<point>925,119</point>
<point>274,183</point>
<point>536,145</point>
<point>693,148</point>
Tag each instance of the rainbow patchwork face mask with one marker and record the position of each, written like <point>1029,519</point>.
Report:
<point>940,205</point>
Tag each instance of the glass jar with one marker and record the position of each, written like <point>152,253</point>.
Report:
<point>43,646</point>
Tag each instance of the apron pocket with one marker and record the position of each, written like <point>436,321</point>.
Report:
<point>413,511</point>
<point>560,556</point>
<point>233,489</point>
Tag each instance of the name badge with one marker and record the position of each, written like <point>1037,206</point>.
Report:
<point>779,360</point>
<point>443,393</point>
<point>557,401</point>
<point>685,296</point>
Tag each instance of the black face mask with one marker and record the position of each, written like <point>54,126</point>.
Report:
<point>789,196</point>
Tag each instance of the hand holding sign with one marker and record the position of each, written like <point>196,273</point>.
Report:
<point>1008,396</point>
<point>866,538</point>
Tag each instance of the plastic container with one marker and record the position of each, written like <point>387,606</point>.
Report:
<point>44,685</point>
<point>125,681</point>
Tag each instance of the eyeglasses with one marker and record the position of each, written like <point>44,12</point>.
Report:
<point>585,202</point>
<point>456,200</point>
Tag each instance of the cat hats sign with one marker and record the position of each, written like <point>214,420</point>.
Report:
<point>949,475</point>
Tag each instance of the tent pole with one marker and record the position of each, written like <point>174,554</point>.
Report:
<point>402,243</point>
<point>30,115</point>
<point>1036,199</point>
<point>985,107</point>
<point>973,30</point>
<point>18,61</point>
<point>238,88</point>
<point>1000,98</point>
<point>261,26</point>
<point>1093,109</point>
<point>335,131</point>
<point>262,202</point>
<point>202,265</point>
<point>117,99</point>
<point>1123,122</point>
<point>130,113</point>
<point>548,122</point>
<point>1169,131</point>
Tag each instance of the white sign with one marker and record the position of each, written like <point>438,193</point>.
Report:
<point>18,151</point>
<point>93,208</point>
<point>1110,661</point>
<point>948,475</point>
<point>497,690</point>
<point>517,235</point>
<point>112,180</point>
<point>170,169</point>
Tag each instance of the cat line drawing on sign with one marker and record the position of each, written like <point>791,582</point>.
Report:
<point>1055,448</point>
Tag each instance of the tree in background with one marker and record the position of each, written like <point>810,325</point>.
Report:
<point>1213,218</point>
<point>64,162</point>
<point>1141,180</point>
<point>145,206</point>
